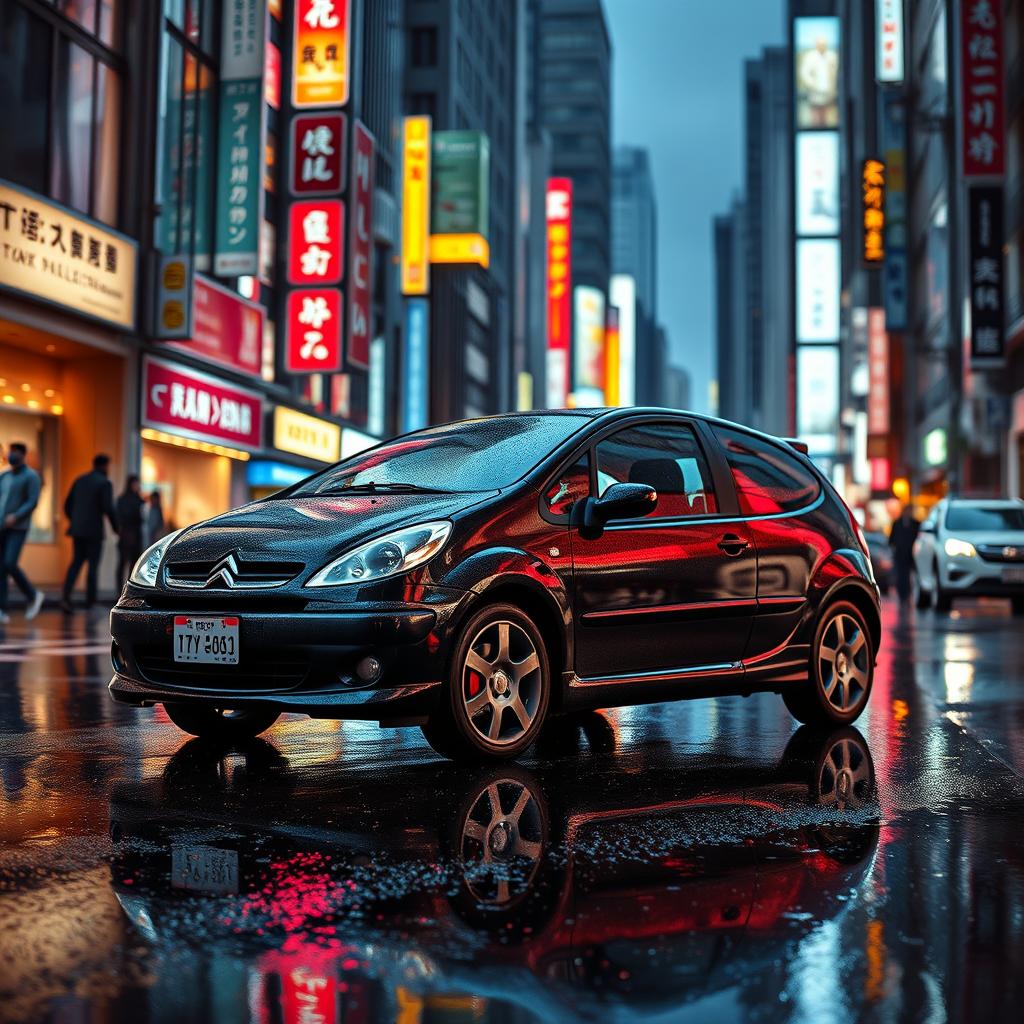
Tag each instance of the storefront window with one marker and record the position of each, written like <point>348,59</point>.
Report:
<point>66,87</point>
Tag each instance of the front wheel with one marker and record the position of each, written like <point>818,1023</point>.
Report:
<point>222,725</point>
<point>840,673</point>
<point>943,598</point>
<point>498,688</point>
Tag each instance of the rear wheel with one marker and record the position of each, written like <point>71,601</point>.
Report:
<point>922,595</point>
<point>498,689</point>
<point>841,670</point>
<point>227,725</point>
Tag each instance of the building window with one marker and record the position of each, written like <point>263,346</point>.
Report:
<point>64,80</point>
<point>423,47</point>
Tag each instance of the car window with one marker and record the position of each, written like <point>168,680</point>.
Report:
<point>473,455</point>
<point>975,517</point>
<point>768,479</point>
<point>665,456</point>
<point>568,487</point>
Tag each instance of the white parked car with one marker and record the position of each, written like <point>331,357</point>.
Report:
<point>971,548</point>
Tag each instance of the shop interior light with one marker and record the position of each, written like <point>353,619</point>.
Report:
<point>57,410</point>
<point>148,434</point>
<point>9,399</point>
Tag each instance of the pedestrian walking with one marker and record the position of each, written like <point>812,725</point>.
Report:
<point>90,499</point>
<point>902,535</point>
<point>155,525</point>
<point>19,495</point>
<point>130,506</point>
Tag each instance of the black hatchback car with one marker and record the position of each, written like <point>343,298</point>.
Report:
<point>478,577</point>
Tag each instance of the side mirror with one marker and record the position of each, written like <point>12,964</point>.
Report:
<point>620,501</point>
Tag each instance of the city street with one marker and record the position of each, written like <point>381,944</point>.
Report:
<point>695,861</point>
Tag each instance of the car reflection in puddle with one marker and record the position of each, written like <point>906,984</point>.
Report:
<point>577,888</point>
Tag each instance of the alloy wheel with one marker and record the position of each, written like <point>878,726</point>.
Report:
<point>845,778</point>
<point>501,682</point>
<point>844,662</point>
<point>502,842</point>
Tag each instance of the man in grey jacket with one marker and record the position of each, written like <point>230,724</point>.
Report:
<point>19,495</point>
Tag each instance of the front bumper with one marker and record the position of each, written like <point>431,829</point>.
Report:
<point>298,660</point>
<point>975,575</point>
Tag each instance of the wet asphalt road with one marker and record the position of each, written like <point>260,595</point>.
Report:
<point>696,861</point>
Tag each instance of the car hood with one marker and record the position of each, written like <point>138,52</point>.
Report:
<point>310,530</point>
<point>999,538</point>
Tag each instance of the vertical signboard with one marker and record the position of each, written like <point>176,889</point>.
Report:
<point>320,53</point>
<point>982,130</point>
<point>315,234</point>
<point>889,41</point>
<point>416,365</point>
<point>460,201</point>
<point>241,139</point>
<point>313,330</point>
<point>985,274</point>
<point>872,191</point>
<point>894,278</point>
<point>623,296</point>
<point>817,420</point>
<point>588,338</point>
<point>559,280</point>
<point>611,357</point>
<point>878,381</point>
<point>817,289</point>
<point>360,312</point>
<point>816,72</point>
<point>416,206</point>
<point>318,154</point>
<point>817,183</point>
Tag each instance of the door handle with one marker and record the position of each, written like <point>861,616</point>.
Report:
<point>733,545</point>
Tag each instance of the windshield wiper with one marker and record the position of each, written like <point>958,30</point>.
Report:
<point>370,487</point>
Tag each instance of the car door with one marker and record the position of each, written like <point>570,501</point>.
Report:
<point>775,492</point>
<point>674,589</point>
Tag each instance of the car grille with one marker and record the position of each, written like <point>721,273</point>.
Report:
<point>257,673</point>
<point>1001,552</point>
<point>231,573</point>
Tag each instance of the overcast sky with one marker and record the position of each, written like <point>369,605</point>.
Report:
<point>677,73</point>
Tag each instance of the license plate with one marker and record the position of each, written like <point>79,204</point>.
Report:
<point>1014,575</point>
<point>204,869</point>
<point>210,641</point>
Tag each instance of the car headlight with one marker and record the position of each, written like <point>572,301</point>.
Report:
<point>146,568</point>
<point>962,548</point>
<point>390,555</point>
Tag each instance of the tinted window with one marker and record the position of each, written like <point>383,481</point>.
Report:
<point>471,456</point>
<point>568,487</point>
<point>971,517</point>
<point>768,478</point>
<point>665,456</point>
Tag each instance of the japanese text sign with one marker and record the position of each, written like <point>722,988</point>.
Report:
<point>192,404</point>
<point>878,373</point>
<point>320,53</point>
<point>982,88</point>
<point>49,253</point>
<point>360,250</point>
<point>559,280</point>
<point>873,210</point>
<point>315,234</point>
<point>985,273</point>
<point>416,206</point>
<point>889,41</point>
<point>318,154</point>
<point>313,330</point>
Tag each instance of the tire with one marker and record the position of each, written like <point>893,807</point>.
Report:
<point>943,598</point>
<point>222,725</point>
<point>498,689</point>
<point>923,597</point>
<point>836,691</point>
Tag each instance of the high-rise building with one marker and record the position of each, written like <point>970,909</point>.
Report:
<point>463,69</point>
<point>573,104</point>
<point>635,252</point>
<point>752,280</point>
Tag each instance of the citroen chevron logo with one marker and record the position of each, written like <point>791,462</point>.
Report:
<point>226,570</point>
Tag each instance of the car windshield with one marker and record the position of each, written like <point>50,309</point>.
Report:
<point>473,455</point>
<point>980,518</point>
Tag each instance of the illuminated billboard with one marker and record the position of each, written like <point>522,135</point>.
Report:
<point>816,67</point>
<point>588,339</point>
<point>817,289</point>
<point>817,183</point>
<point>460,205</point>
<point>873,210</point>
<point>889,41</point>
<point>416,206</point>
<point>559,280</point>
<point>623,296</point>
<point>320,53</point>
<point>818,397</point>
